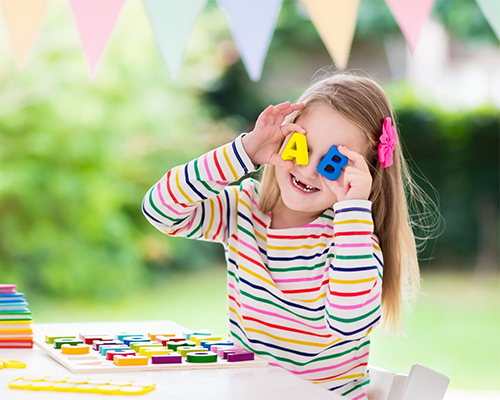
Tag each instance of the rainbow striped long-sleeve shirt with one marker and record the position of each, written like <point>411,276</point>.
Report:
<point>303,298</point>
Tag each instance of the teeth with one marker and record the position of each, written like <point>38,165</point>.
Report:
<point>306,189</point>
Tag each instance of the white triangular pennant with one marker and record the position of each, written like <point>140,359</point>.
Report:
<point>252,24</point>
<point>491,11</point>
<point>172,23</point>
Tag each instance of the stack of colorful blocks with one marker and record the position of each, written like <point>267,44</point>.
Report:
<point>16,323</point>
<point>129,348</point>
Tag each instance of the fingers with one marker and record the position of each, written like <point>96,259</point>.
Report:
<point>277,110</point>
<point>291,128</point>
<point>287,105</point>
<point>356,184</point>
<point>288,110</point>
<point>357,159</point>
<point>263,118</point>
<point>297,106</point>
<point>336,187</point>
<point>279,162</point>
<point>268,110</point>
<point>280,111</point>
<point>353,177</point>
<point>274,115</point>
<point>282,106</point>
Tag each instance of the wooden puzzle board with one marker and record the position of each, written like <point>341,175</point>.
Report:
<point>94,362</point>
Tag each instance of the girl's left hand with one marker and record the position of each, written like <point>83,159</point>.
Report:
<point>355,181</point>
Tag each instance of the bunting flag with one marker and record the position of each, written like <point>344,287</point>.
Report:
<point>252,24</point>
<point>411,16</point>
<point>172,23</point>
<point>335,21</point>
<point>23,19</point>
<point>95,20</point>
<point>491,11</point>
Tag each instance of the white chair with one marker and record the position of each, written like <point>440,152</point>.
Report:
<point>421,383</point>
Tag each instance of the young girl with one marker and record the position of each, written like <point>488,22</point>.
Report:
<point>307,281</point>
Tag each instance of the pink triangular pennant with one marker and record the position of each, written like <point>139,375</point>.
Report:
<point>411,16</point>
<point>23,21</point>
<point>95,20</point>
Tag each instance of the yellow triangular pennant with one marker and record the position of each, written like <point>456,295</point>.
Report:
<point>23,20</point>
<point>335,21</point>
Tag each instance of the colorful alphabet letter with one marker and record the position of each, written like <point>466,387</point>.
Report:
<point>331,165</point>
<point>296,148</point>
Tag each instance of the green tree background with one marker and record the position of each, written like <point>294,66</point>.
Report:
<point>77,156</point>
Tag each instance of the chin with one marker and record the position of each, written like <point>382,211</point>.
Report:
<point>297,203</point>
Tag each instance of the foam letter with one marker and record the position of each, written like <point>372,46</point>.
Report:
<point>296,148</point>
<point>331,165</point>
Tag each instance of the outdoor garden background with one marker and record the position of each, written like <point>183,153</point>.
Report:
<point>77,157</point>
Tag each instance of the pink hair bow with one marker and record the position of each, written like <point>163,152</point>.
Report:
<point>388,141</point>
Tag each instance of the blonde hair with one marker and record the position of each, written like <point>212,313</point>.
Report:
<point>364,103</point>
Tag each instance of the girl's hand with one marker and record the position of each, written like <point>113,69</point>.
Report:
<point>260,144</point>
<point>355,181</point>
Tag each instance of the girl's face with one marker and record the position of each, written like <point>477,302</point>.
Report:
<point>302,187</point>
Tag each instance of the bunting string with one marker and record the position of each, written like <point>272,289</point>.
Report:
<point>251,22</point>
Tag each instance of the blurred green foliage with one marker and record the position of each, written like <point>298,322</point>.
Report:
<point>458,153</point>
<point>77,157</point>
<point>462,19</point>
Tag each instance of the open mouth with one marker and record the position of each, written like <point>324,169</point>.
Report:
<point>302,186</point>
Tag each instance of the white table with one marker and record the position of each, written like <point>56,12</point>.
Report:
<point>218,384</point>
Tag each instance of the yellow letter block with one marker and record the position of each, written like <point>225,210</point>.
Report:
<point>12,364</point>
<point>167,334</point>
<point>130,360</point>
<point>199,339</point>
<point>78,349</point>
<point>149,351</point>
<point>296,148</point>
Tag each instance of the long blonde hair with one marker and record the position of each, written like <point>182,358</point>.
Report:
<point>364,103</point>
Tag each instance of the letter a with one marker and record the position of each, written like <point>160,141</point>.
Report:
<point>296,148</point>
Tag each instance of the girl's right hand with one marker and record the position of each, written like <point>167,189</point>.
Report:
<point>260,144</point>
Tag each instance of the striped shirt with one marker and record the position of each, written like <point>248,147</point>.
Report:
<point>304,298</point>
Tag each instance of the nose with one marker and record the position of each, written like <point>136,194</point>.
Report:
<point>309,171</point>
